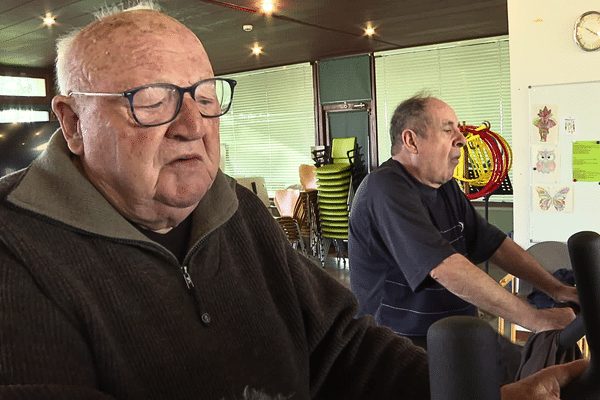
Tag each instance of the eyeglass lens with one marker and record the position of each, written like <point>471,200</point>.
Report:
<point>159,103</point>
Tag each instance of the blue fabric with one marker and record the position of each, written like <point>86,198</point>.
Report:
<point>541,300</point>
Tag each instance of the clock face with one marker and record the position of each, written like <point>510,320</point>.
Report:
<point>587,31</point>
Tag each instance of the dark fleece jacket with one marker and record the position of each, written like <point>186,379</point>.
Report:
<point>90,308</point>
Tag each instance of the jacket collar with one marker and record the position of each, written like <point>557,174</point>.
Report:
<point>54,188</point>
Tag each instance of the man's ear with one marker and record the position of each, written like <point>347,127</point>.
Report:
<point>69,122</point>
<point>410,140</point>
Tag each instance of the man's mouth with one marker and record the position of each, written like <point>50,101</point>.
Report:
<point>185,161</point>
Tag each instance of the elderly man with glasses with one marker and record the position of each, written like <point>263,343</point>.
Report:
<point>132,268</point>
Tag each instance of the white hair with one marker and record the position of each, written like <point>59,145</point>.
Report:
<point>253,394</point>
<point>64,43</point>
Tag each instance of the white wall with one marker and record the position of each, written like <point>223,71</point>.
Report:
<point>542,52</point>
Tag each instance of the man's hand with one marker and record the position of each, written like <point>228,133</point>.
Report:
<point>545,384</point>
<point>565,294</point>
<point>554,318</point>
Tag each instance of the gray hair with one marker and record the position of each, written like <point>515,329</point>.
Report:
<point>64,43</point>
<point>410,114</point>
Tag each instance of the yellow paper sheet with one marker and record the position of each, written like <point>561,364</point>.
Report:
<point>586,161</point>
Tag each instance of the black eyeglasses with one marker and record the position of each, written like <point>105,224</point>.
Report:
<point>159,103</point>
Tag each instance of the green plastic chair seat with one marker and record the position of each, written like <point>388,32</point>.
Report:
<point>333,213</point>
<point>334,218</point>
<point>333,200</point>
<point>341,193</point>
<point>332,169</point>
<point>333,188</point>
<point>333,182</point>
<point>332,177</point>
<point>326,224</point>
<point>339,207</point>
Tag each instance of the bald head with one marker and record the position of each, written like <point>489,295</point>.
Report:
<point>154,175</point>
<point>121,44</point>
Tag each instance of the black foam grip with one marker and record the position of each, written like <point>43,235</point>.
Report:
<point>584,251</point>
<point>463,359</point>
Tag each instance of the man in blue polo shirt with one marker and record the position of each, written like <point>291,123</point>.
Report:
<point>414,237</point>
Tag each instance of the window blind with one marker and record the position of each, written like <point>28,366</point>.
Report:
<point>473,77</point>
<point>270,128</point>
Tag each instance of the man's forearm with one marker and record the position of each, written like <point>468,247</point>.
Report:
<point>470,283</point>
<point>516,261</point>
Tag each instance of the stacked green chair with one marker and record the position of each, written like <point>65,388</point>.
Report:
<point>334,182</point>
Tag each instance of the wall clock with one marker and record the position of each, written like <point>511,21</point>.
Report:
<point>587,31</point>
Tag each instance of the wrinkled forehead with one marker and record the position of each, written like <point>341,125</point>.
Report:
<point>122,47</point>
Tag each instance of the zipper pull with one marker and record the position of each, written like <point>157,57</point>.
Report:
<point>187,278</point>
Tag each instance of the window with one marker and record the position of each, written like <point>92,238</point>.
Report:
<point>471,76</point>
<point>25,94</point>
<point>23,115</point>
<point>22,86</point>
<point>270,128</point>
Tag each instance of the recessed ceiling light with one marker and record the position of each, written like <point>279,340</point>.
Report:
<point>256,50</point>
<point>369,31</point>
<point>267,6</point>
<point>49,20</point>
<point>247,28</point>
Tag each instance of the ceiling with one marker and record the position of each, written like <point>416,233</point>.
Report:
<point>298,31</point>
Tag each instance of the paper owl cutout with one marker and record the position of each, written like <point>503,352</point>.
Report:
<point>546,200</point>
<point>545,161</point>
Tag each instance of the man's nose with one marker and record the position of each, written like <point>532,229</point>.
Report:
<point>461,140</point>
<point>189,123</point>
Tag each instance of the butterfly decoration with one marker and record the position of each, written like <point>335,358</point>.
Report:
<point>558,200</point>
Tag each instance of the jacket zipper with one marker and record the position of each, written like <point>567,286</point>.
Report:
<point>187,278</point>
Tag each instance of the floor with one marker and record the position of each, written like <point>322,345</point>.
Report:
<point>338,268</point>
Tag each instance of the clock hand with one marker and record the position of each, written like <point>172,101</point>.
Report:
<point>595,33</point>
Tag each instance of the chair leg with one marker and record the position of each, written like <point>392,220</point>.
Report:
<point>340,252</point>
<point>300,241</point>
<point>324,245</point>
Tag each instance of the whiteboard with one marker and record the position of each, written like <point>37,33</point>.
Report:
<point>577,103</point>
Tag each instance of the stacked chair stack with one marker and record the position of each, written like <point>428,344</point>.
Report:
<point>307,210</point>
<point>334,183</point>
<point>286,201</point>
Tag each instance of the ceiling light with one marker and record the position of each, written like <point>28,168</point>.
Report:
<point>49,20</point>
<point>369,31</point>
<point>267,6</point>
<point>256,50</point>
<point>247,28</point>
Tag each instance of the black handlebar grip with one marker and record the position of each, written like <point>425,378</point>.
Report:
<point>463,359</point>
<point>584,251</point>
